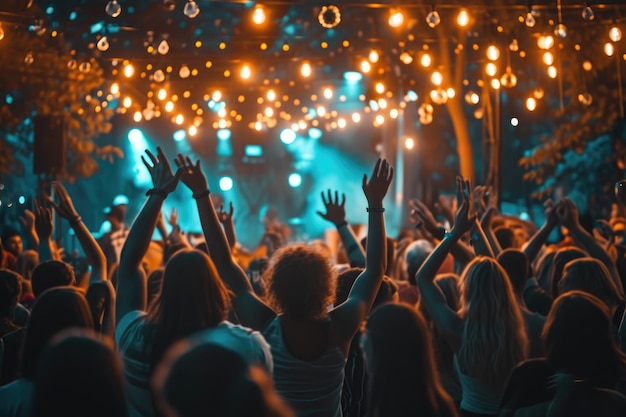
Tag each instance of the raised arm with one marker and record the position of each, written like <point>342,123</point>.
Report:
<point>131,281</point>
<point>568,215</point>
<point>93,252</point>
<point>336,214</point>
<point>44,226</point>
<point>226,219</point>
<point>539,239</point>
<point>28,223</point>
<point>251,311</point>
<point>461,253</point>
<point>348,316</point>
<point>432,297</point>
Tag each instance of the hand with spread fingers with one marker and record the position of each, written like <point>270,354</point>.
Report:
<point>163,179</point>
<point>64,207</point>
<point>335,210</point>
<point>424,215</point>
<point>465,216</point>
<point>376,188</point>
<point>43,223</point>
<point>191,174</point>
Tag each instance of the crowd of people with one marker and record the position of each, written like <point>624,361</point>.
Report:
<point>467,313</point>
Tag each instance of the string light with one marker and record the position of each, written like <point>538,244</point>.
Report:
<point>1,32</point>
<point>258,16</point>
<point>615,34</point>
<point>463,18</point>
<point>191,9</point>
<point>433,19</point>
<point>329,16</point>
<point>396,18</point>
<point>113,8</point>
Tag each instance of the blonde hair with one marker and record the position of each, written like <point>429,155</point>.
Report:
<point>494,338</point>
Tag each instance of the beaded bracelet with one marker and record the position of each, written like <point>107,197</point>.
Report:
<point>201,194</point>
<point>375,209</point>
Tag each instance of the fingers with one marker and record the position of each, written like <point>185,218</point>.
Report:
<point>231,209</point>
<point>324,198</point>
<point>153,159</point>
<point>343,199</point>
<point>377,167</point>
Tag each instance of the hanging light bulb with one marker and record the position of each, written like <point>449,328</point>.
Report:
<point>560,30</point>
<point>609,49</point>
<point>514,45</point>
<point>508,79</point>
<point>29,59</point>
<point>191,9</point>
<point>84,67</point>
<point>72,64</point>
<point>184,72</point>
<point>1,32</point>
<point>329,16</point>
<point>396,19</point>
<point>463,18</point>
<point>433,19</point>
<point>113,8</point>
<point>163,47</point>
<point>103,44</point>
<point>158,76</point>
<point>615,34</point>
<point>530,19</point>
<point>493,52</point>
<point>258,16</point>
<point>439,96</point>
<point>588,13</point>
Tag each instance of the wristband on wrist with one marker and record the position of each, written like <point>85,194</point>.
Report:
<point>157,192</point>
<point>75,220</point>
<point>341,224</point>
<point>375,209</point>
<point>202,194</point>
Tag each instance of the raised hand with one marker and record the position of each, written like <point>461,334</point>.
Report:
<point>377,186</point>
<point>43,223</point>
<point>335,210</point>
<point>552,217</point>
<point>424,214</point>
<point>191,174</point>
<point>64,207</point>
<point>163,179</point>
<point>568,213</point>
<point>173,218</point>
<point>445,207</point>
<point>28,221</point>
<point>223,216</point>
<point>465,216</point>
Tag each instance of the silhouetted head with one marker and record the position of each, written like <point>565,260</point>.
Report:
<point>80,374</point>
<point>54,310</point>
<point>515,263</point>
<point>50,274</point>
<point>578,339</point>
<point>415,255</point>
<point>591,276</point>
<point>561,258</point>
<point>505,237</point>
<point>209,380</point>
<point>300,281</point>
<point>398,354</point>
<point>345,280</point>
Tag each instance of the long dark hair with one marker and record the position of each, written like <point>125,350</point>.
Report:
<point>579,339</point>
<point>403,376</point>
<point>54,310</point>
<point>192,298</point>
